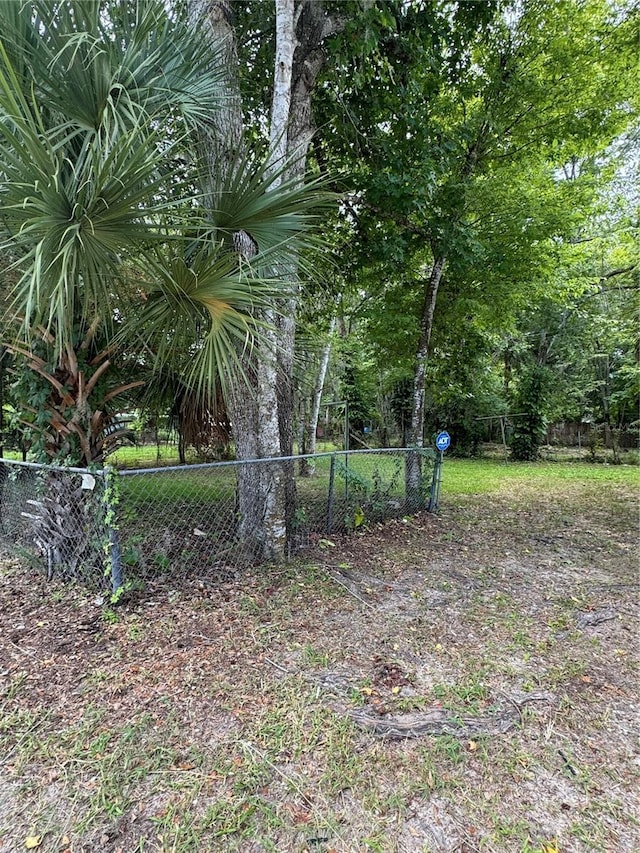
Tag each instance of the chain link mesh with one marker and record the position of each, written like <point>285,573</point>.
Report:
<point>110,528</point>
<point>58,516</point>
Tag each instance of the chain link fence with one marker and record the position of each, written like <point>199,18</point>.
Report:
<point>111,528</point>
<point>60,518</point>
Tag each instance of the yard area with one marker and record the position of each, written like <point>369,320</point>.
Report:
<point>465,681</point>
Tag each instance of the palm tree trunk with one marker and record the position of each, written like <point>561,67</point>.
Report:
<point>223,138</point>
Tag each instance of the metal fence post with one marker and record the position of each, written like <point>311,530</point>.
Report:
<point>111,523</point>
<point>346,479</point>
<point>332,477</point>
<point>434,497</point>
<point>4,473</point>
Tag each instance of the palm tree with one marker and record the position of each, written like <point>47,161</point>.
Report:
<point>99,105</point>
<point>102,221</point>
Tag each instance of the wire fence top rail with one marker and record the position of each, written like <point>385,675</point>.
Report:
<point>230,463</point>
<point>44,466</point>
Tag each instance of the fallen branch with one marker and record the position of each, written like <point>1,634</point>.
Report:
<point>566,763</point>
<point>347,584</point>
<point>439,721</point>
<point>596,617</point>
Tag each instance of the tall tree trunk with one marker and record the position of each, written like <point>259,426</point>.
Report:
<point>263,422</point>
<point>253,411</point>
<point>413,474</point>
<point>307,466</point>
<point>284,321</point>
<point>301,27</point>
<point>282,82</point>
<point>426,325</point>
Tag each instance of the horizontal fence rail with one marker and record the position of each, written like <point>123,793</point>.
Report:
<point>110,529</point>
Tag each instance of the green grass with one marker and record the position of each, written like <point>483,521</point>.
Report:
<point>480,476</point>
<point>207,486</point>
<point>459,477</point>
<point>165,453</point>
<point>146,456</point>
<point>372,485</point>
<point>366,475</point>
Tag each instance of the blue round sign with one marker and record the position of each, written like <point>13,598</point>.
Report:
<point>443,441</point>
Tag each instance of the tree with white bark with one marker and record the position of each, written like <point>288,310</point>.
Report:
<point>262,421</point>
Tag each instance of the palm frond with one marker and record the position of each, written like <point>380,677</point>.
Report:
<point>97,103</point>
<point>200,316</point>
<point>274,209</point>
<point>103,64</point>
<point>81,171</point>
<point>69,220</point>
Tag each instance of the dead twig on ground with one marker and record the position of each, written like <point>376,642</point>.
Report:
<point>439,721</point>
<point>347,584</point>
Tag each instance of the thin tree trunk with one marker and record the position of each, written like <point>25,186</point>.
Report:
<point>301,28</point>
<point>413,473</point>
<point>282,81</point>
<point>307,466</point>
<point>277,485</point>
<point>422,353</point>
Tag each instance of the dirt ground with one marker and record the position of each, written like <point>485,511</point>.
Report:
<point>460,682</point>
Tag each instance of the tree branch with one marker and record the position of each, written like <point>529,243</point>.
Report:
<point>620,271</point>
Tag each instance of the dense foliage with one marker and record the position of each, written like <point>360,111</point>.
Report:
<point>483,261</point>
